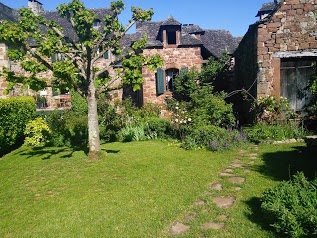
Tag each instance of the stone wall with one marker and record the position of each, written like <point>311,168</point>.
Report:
<point>173,58</point>
<point>291,32</point>
<point>4,62</point>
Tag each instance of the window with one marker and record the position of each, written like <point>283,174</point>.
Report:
<point>97,23</point>
<point>165,80</point>
<point>170,75</point>
<point>171,37</point>
<point>295,75</point>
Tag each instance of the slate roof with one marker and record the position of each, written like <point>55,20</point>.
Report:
<point>8,14</point>
<point>192,29</point>
<point>213,41</point>
<point>267,8</point>
<point>219,41</point>
<point>170,21</point>
<point>67,27</point>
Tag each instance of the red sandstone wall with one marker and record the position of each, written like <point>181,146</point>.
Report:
<point>293,28</point>
<point>173,58</point>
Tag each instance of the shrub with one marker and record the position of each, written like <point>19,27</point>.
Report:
<point>274,132</point>
<point>15,113</point>
<point>68,128</point>
<point>291,207</point>
<point>213,138</point>
<point>208,108</point>
<point>36,132</point>
<point>270,109</point>
<point>131,133</point>
<point>156,128</point>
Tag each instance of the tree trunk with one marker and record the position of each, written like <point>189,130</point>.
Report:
<point>93,125</point>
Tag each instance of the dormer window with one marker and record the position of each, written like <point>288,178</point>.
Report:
<point>97,23</point>
<point>171,37</point>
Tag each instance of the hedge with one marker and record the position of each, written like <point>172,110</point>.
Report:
<point>15,113</point>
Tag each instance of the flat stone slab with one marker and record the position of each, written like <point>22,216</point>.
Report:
<point>237,166</point>
<point>199,203</point>
<point>178,229</point>
<point>216,186</point>
<point>242,152</point>
<point>251,163</point>
<point>224,201</point>
<point>237,189</point>
<point>213,225</point>
<point>247,170</point>
<point>225,175</point>
<point>228,171</point>
<point>253,155</point>
<point>237,180</point>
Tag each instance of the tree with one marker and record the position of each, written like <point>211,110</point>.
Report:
<point>77,70</point>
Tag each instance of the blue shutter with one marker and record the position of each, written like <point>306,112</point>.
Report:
<point>184,70</point>
<point>53,57</point>
<point>159,81</point>
<point>106,55</point>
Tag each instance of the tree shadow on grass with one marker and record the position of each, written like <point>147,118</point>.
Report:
<point>279,166</point>
<point>46,153</point>
<point>282,165</point>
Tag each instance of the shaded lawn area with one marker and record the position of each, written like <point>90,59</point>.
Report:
<point>138,189</point>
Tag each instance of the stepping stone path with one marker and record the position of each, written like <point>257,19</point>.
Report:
<point>199,203</point>
<point>222,202</point>
<point>216,186</point>
<point>213,225</point>
<point>237,180</point>
<point>178,229</point>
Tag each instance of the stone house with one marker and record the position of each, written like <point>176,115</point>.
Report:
<point>181,46</point>
<point>275,56</point>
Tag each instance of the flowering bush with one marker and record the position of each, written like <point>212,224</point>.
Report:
<point>36,132</point>
<point>270,109</point>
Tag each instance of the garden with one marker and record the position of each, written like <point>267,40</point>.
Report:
<point>195,173</point>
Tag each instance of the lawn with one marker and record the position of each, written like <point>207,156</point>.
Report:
<point>137,189</point>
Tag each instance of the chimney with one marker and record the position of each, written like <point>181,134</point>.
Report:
<point>35,6</point>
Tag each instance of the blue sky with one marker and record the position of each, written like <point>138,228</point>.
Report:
<point>232,15</point>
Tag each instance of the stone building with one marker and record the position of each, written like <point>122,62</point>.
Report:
<point>181,46</point>
<point>275,56</point>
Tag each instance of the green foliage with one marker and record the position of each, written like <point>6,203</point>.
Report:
<point>131,133</point>
<point>68,128</point>
<point>291,207</point>
<point>186,84</point>
<point>15,113</point>
<point>79,104</point>
<point>274,132</point>
<point>157,128</point>
<point>213,138</point>
<point>270,109</point>
<point>214,69</point>
<point>311,107</point>
<point>211,109</point>
<point>36,132</point>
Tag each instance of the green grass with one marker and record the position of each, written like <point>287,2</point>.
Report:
<point>137,189</point>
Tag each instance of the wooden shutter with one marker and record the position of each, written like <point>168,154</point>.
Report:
<point>159,81</point>
<point>106,55</point>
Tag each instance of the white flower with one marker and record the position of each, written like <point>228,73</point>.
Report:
<point>189,119</point>
<point>176,108</point>
<point>176,120</point>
